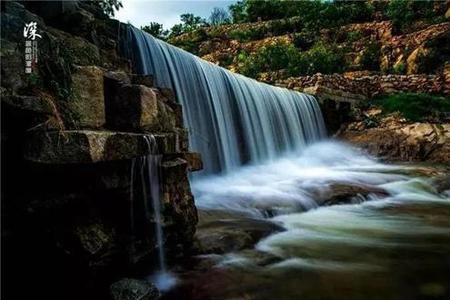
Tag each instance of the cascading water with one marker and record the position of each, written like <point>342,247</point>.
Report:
<point>150,180</point>
<point>393,248</point>
<point>231,119</point>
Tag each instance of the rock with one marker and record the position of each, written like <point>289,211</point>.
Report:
<point>394,140</point>
<point>93,238</point>
<point>227,235</point>
<point>112,82</point>
<point>31,104</point>
<point>193,159</point>
<point>83,146</point>
<point>146,80</point>
<point>138,108</point>
<point>343,192</point>
<point>87,103</point>
<point>133,289</point>
<point>179,207</point>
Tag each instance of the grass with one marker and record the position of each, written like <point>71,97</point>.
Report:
<point>416,107</point>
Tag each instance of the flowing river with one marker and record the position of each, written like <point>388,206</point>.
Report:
<point>285,214</point>
<point>391,243</point>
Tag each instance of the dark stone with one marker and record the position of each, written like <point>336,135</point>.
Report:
<point>146,80</point>
<point>343,192</point>
<point>83,146</point>
<point>138,108</point>
<point>31,104</point>
<point>133,289</point>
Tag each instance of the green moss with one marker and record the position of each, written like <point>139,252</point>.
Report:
<point>416,107</point>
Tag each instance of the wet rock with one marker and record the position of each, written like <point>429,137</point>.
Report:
<point>133,289</point>
<point>227,235</point>
<point>193,159</point>
<point>83,146</point>
<point>146,80</point>
<point>87,103</point>
<point>179,207</point>
<point>339,193</point>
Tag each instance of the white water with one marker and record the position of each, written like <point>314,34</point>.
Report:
<point>151,188</point>
<point>291,183</point>
<point>327,238</point>
<point>235,121</point>
<point>232,120</point>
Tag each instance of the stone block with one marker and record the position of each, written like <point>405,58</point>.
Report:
<point>84,146</point>
<point>146,80</point>
<point>87,102</point>
<point>138,108</point>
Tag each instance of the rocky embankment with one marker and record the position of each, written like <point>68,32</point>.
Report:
<point>74,214</point>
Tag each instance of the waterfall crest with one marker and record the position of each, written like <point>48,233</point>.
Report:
<point>231,119</point>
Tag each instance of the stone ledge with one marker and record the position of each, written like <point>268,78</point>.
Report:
<point>86,146</point>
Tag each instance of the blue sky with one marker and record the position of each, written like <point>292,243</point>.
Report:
<point>142,12</point>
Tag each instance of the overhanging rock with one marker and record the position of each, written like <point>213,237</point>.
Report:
<point>86,146</point>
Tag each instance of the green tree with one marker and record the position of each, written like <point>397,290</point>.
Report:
<point>189,23</point>
<point>109,6</point>
<point>156,29</point>
<point>219,16</point>
<point>238,12</point>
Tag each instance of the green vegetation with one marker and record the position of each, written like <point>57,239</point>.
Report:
<point>156,29</point>
<point>219,16</point>
<point>404,12</point>
<point>370,59</point>
<point>314,14</point>
<point>321,58</point>
<point>416,107</point>
<point>109,6</point>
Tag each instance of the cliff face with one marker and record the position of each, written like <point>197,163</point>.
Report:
<point>74,207</point>
<point>369,60</point>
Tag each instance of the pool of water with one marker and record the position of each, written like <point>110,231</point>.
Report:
<point>388,239</point>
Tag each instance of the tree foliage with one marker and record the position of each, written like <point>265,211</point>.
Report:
<point>321,58</point>
<point>189,23</point>
<point>219,16</point>
<point>109,6</point>
<point>156,29</point>
<point>403,12</point>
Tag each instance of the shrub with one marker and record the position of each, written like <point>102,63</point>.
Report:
<point>416,107</point>
<point>399,68</point>
<point>371,57</point>
<point>404,12</point>
<point>305,39</point>
<point>320,58</point>
<point>354,36</point>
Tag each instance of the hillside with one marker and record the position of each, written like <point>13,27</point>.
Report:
<point>352,64</point>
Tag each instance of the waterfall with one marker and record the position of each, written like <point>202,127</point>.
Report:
<point>232,119</point>
<point>151,196</point>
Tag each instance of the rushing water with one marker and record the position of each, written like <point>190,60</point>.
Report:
<point>390,246</point>
<point>148,169</point>
<point>231,119</point>
<point>267,229</point>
